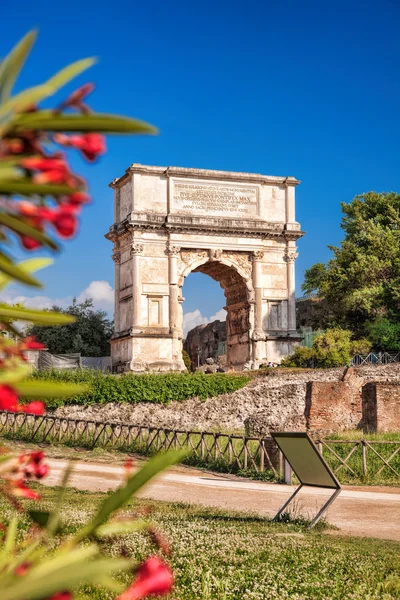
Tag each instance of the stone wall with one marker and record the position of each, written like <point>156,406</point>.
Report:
<point>337,399</point>
<point>206,338</point>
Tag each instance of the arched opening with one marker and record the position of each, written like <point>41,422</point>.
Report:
<point>238,307</point>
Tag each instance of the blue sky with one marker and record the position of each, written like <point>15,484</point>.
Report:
<point>296,87</point>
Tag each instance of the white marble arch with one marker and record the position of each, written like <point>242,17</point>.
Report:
<point>238,228</point>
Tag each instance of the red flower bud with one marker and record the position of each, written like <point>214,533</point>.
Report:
<point>90,144</point>
<point>34,408</point>
<point>79,94</point>
<point>29,243</point>
<point>41,471</point>
<point>21,490</point>
<point>77,198</point>
<point>31,344</point>
<point>65,221</point>
<point>8,398</point>
<point>154,577</point>
<point>22,569</point>
<point>61,596</point>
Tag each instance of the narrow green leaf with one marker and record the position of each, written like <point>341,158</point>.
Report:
<point>63,572</point>
<point>47,121</point>
<point>11,66</point>
<point>70,72</point>
<point>12,270</point>
<point>9,544</point>
<point>7,172</point>
<point>120,527</point>
<point>23,228</point>
<point>38,93</point>
<point>123,494</point>
<point>53,524</point>
<point>12,376</point>
<point>31,265</point>
<point>25,187</point>
<point>46,389</point>
<point>40,317</point>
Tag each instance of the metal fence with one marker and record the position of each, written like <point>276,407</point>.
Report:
<point>350,460</point>
<point>375,358</point>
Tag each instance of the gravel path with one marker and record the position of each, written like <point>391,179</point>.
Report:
<point>370,512</point>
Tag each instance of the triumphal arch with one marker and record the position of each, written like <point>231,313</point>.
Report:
<point>238,228</point>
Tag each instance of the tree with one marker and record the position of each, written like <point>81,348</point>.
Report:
<point>362,281</point>
<point>384,334</point>
<point>89,334</point>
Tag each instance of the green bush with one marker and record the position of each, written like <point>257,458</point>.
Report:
<point>301,357</point>
<point>153,387</point>
<point>334,348</point>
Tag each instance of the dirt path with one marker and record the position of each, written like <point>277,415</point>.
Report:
<point>367,512</point>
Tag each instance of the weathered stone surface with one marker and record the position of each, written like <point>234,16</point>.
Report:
<point>206,341</point>
<point>270,402</point>
<point>238,228</point>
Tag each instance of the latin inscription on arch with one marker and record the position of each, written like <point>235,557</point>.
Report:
<point>214,198</point>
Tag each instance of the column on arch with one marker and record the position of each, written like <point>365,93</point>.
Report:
<point>173,254</point>
<point>290,258</point>
<point>136,251</point>
<point>116,256</point>
<point>258,333</point>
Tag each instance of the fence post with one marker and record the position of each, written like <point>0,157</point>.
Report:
<point>261,446</point>
<point>320,447</point>
<point>364,457</point>
<point>287,472</point>
<point>281,465</point>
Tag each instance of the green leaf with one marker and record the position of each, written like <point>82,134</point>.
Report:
<point>12,270</point>
<point>11,66</point>
<point>120,527</point>
<point>46,389</point>
<point>25,187</point>
<point>29,266</point>
<point>40,317</point>
<point>9,172</point>
<point>47,121</point>
<point>24,228</point>
<point>38,93</point>
<point>11,376</point>
<point>9,544</point>
<point>53,524</point>
<point>40,517</point>
<point>70,72</point>
<point>63,572</point>
<point>123,494</point>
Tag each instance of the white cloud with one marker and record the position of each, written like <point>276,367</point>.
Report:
<point>100,291</point>
<point>195,318</point>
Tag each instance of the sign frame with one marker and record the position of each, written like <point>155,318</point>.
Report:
<point>335,486</point>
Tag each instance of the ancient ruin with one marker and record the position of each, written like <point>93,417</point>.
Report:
<point>238,228</point>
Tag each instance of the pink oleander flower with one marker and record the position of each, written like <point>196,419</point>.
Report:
<point>91,145</point>
<point>153,578</point>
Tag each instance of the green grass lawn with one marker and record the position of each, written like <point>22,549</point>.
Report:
<point>225,556</point>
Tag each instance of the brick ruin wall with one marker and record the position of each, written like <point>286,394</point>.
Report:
<point>366,398</point>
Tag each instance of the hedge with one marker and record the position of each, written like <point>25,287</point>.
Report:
<point>157,388</point>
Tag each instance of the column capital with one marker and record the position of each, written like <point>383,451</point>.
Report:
<point>257,255</point>
<point>290,256</point>
<point>136,249</point>
<point>173,250</point>
<point>116,256</point>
